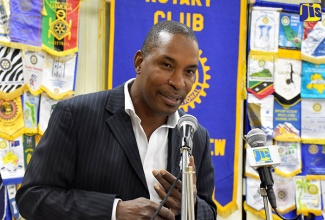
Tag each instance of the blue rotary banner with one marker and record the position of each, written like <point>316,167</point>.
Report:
<point>216,97</point>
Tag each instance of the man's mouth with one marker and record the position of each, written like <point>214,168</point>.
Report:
<point>171,100</point>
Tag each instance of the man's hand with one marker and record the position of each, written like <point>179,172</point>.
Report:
<point>141,208</point>
<point>166,180</point>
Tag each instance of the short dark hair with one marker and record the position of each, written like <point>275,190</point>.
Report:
<point>172,27</point>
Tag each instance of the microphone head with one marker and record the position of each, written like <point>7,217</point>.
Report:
<point>256,138</point>
<point>187,119</point>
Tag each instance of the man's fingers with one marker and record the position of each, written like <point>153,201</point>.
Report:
<point>168,180</point>
<point>173,201</point>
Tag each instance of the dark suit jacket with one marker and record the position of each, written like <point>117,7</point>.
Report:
<point>88,156</point>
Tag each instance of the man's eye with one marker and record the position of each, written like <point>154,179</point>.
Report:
<point>190,72</point>
<point>167,65</point>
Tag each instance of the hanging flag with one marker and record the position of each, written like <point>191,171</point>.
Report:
<point>291,31</point>
<point>312,121</point>
<point>260,74</point>
<point>33,65</point>
<point>308,196</point>
<point>59,76</point>
<point>253,195</point>
<point>30,108</point>
<point>11,118</point>
<point>11,73</point>
<point>313,44</point>
<point>286,122</point>
<point>287,80</point>
<point>29,144</point>
<point>290,154</point>
<point>12,161</point>
<point>285,193</point>
<point>260,114</point>
<point>25,23</point>
<point>313,159</point>
<point>312,80</point>
<point>264,31</point>
<point>60,27</point>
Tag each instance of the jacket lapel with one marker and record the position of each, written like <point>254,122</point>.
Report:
<point>173,151</point>
<point>121,126</point>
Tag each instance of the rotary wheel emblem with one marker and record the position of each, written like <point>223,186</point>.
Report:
<point>3,145</point>
<point>317,107</point>
<point>33,59</point>
<point>198,88</point>
<point>313,149</point>
<point>8,110</point>
<point>5,64</point>
<point>60,28</point>
<point>25,5</point>
<point>282,194</point>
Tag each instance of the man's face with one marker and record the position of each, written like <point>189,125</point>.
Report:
<point>167,73</point>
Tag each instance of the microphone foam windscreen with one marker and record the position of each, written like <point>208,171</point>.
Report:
<point>256,138</point>
<point>187,119</point>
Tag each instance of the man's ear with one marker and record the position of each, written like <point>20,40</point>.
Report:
<point>138,58</point>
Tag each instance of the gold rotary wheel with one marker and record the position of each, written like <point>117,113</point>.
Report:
<point>313,149</point>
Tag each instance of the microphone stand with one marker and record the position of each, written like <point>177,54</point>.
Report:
<point>187,205</point>
<point>268,211</point>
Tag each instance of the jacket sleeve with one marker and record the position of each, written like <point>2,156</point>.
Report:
<point>47,190</point>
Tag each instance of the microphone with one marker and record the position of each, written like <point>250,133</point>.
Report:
<point>187,125</point>
<point>263,158</point>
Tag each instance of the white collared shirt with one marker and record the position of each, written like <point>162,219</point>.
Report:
<point>153,153</point>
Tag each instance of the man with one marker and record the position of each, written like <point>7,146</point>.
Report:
<point>115,154</point>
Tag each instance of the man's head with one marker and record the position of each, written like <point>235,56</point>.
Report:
<point>166,67</point>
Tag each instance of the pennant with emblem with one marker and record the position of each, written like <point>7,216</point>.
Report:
<point>59,76</point>
<point>286,122</point>
<point>313,44</point>
<point>313,121</point>
<point>30,107</point>
<point>313,159</point>
<point>33,65</point>
<point>260,74</point>
<point>260,114</point>
<point>25,23</point>
<point>287,80</point>
<point>291,31</point>
<point>264,29</point>
<point>47,105</point>
<point>313,80</point>
<point>29,144</point>
<point>4,20</point>
<point>290,154</point>
<point>12,190</point>
<point>285,193</point>
<point>253,195</point>
<point>12,161</point>
<point>11,118</point>
<point>308,196</point>
<point>11,73</point>
<point>60,27</point>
